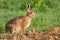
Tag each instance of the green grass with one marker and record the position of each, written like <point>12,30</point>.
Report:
<point>44,20</point>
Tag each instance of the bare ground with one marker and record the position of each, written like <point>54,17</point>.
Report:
<point>53,34</point>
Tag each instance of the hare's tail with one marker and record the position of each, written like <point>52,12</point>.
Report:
<point>7,30</point>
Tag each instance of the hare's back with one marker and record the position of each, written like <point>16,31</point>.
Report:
<point>15,21</point>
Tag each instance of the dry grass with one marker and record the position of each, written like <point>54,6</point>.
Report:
<point>53,34</point>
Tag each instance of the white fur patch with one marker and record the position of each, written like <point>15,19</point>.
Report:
<point>18,29</point>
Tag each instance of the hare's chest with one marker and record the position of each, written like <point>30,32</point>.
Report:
<point>27,24</point>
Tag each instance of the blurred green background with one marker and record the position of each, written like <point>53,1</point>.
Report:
<point>47,13</point>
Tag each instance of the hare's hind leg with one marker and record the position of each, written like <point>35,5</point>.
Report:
<point>13,30</point>
<point>16,29</point>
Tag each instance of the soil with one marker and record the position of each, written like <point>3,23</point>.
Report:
<point>53,34</point>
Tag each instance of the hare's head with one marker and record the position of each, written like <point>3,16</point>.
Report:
<point>29,12</point>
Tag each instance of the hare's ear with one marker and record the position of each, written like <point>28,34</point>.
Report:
<point>28,7</point>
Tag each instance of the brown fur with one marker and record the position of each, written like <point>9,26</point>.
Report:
<point>21,22</point>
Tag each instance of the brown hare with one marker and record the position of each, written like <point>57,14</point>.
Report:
<point>20,23</point>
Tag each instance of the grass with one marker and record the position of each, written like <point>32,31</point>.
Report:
<point>44,20</point>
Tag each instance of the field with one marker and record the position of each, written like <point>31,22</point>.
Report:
<point>47,17</point>
<point>42,21</point>
<point>47,13</point>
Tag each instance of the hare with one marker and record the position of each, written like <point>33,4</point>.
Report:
<point>20,23</point>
